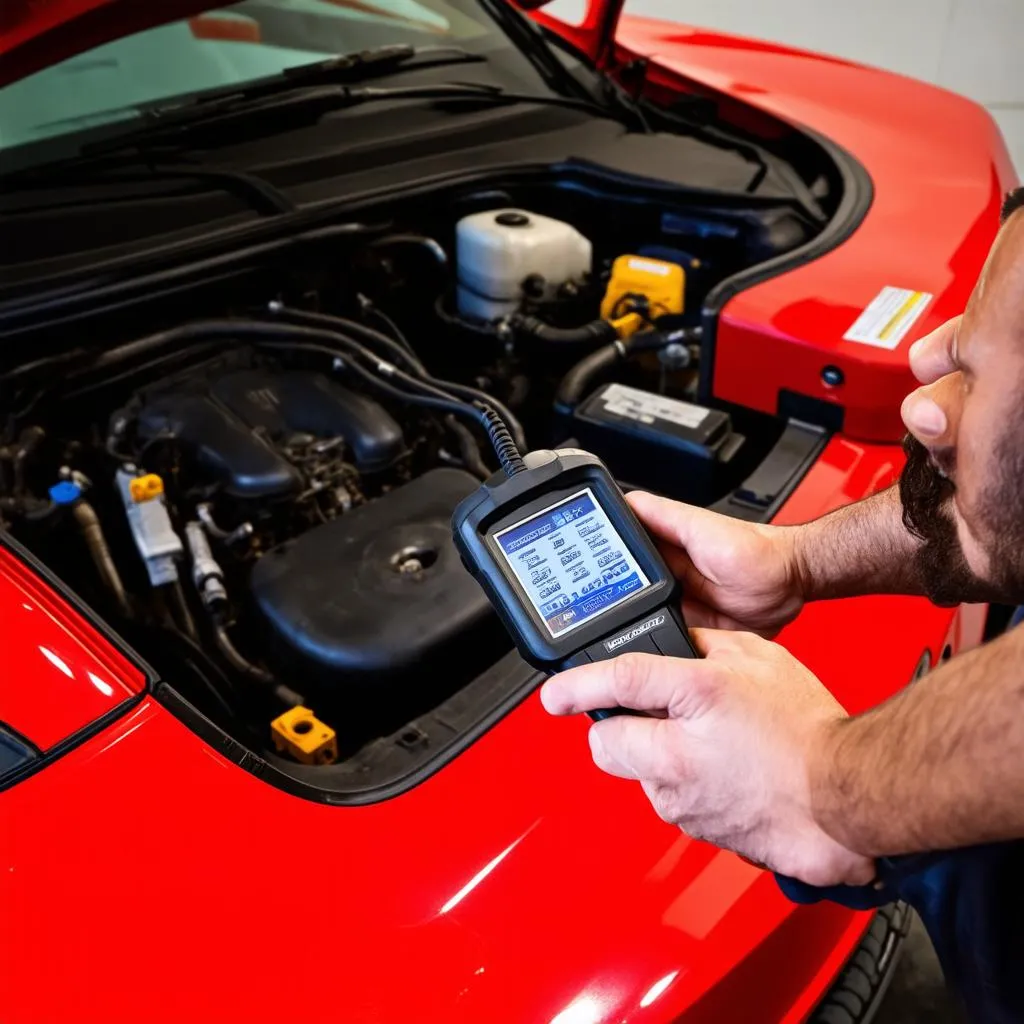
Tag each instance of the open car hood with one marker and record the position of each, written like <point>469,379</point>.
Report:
<point>35,34</point>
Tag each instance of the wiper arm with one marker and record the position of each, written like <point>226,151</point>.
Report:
<point>360,66</point>
<point>264,198</point>
<point>213,123</point>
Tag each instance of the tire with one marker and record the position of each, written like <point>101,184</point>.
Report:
<point>858,991</point>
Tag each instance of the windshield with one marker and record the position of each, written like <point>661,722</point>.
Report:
<point>224,47</point>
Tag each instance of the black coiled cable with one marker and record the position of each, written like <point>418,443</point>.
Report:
<point>509,456</point>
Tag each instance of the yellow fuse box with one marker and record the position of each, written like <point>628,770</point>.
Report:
<point>301,734</point>
<point>145,488</point>
<point>640,290</point>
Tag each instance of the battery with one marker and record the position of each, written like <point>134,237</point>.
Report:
<point>653,441</point>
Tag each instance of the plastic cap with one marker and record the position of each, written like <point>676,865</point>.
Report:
<point>512,219</point>
<point>65,493</point>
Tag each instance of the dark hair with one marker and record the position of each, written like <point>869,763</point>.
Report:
<point>1014,201</point>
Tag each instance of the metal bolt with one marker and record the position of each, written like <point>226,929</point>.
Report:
<point>832,376</point>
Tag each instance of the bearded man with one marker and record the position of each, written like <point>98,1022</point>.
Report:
<point>746,749</point>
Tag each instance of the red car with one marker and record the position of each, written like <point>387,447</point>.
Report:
<point>265,752</point>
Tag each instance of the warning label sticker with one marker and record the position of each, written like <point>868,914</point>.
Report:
<point>646,408</point>
<point>891,313</point>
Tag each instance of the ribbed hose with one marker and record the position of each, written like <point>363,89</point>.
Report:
<point>509,456</point>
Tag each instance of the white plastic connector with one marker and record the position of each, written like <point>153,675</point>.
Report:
<point>150,524</point>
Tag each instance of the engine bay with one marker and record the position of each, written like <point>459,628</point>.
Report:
<point>255,490</point>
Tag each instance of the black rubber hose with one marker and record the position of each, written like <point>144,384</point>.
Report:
<point>30,440</point>
<point>428,396</point>
<point>469,450</point>
<point>515,428</point>
<point>480,328</point>
<point>180,610</point>
<point>258,675</point>
<point>392,329</point>
<point>596,332</point>
<point>209,333</point>
<point>339,325</point>
<point>92,533</point>
<point>425,242</point>
<point>575,383</point>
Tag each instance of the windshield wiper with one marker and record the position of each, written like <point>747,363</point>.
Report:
<point>358,66</point>
<point>213,123</point>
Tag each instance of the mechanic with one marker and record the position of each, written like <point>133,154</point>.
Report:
<point>746,749</point>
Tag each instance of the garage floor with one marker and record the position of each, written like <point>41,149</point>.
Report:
<point>918,994</point>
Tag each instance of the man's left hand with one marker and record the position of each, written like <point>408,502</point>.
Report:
<point>731,750</point>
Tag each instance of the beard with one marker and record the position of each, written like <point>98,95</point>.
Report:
<point>927,499</point>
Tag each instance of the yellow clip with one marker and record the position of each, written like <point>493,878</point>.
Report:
<point>300,733</point>
<point>626,326</point>
<point>145,488</point>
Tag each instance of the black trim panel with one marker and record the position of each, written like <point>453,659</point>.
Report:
<point>404,759</point>
<point>763,493</point>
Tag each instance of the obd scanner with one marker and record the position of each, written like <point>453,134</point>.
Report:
<point>569,569</point>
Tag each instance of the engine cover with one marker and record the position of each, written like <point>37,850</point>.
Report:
<point>378,594</point>
<point>237,423</point>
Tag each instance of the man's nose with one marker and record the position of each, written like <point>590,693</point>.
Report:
<point>931,412</point>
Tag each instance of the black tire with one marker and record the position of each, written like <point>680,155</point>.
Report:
<point>857,993</point>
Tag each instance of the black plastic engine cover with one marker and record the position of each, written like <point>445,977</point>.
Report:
<point>280,404</point>
<point>342,611</point>
<point>236,423</point>
<point>225,448</point>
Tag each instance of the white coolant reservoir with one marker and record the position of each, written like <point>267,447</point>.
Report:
<point>498,250</point>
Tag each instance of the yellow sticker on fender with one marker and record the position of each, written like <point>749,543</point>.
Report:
<point>888,317</point>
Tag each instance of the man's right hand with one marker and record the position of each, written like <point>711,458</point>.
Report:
<point>735,575</point>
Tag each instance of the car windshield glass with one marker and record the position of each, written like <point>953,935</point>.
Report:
<point>225,47</point>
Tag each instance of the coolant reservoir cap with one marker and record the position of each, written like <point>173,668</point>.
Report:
<point>65,493</point>
<point>512,219</point>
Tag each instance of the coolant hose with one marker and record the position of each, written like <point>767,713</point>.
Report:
<point>575,383</point>
<point>596,332</point>
<point>468,448</point>
<point>92,533</point>
<point>339,325</point>
<point>241,664</point>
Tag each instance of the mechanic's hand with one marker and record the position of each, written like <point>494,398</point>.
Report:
<point>735,575</point>
<point>731,755</point>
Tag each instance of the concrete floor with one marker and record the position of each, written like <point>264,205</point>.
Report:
<point>918,994</point>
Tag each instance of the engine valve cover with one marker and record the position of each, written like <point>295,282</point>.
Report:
<point>236,424</point>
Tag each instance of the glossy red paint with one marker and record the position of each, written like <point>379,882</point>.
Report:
<point>939,169</point>
<point>59,674</point>
<point>518,883</point>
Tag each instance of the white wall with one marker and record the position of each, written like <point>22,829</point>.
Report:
<point>974,47</point>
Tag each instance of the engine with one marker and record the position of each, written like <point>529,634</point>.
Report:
<point>260,500</point>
